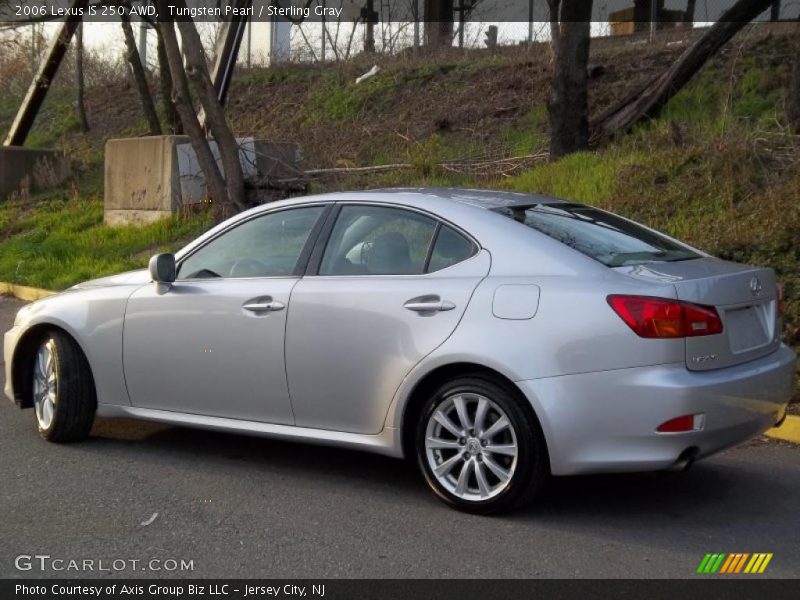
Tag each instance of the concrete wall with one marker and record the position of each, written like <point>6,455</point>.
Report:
<point>150,178</point>
<point>30,168</point>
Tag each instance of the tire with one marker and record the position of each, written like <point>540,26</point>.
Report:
<point>520,451</point>
<point>63,389</point>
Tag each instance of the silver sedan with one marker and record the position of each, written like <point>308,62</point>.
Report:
<point>495,338</point>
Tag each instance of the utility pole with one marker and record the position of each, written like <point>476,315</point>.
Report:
<point>415,11</point>
<point>370,18</point>
<point>530,23</point>
<point>322,50</point>
<point>653,19</point>
<point>461,9</point>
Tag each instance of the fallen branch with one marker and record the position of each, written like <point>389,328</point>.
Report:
<point>648,102</point>
<point>350,170</point>
<point>499,167</point>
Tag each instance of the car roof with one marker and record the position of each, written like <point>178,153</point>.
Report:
<point>487,199</point>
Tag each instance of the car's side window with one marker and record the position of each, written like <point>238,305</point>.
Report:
<point>267,246</point>
<point>378,240</point>
<point>450,248</point>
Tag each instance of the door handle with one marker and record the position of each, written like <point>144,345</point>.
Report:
<point>263,305</point>
<point>427,304</point>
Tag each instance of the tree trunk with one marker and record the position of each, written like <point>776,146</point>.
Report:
<point>215,184</point>
<point>690,9</point>
<point>84,123</point>
<point>139,77</point>
<point>439,16</point>
<point>775,11</point>
<point>647,103</point>
<point>197,71</point>
<point>568,105</point>
<point>165,84</point>
<point>793,101</point>
<point>555,7</point>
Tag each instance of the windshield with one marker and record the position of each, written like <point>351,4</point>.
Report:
<point>605,237</point>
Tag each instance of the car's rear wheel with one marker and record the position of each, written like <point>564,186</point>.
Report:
<point>63,389</point>
<point>477,448</point>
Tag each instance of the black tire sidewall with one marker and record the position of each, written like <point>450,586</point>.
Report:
<point>76,401</point>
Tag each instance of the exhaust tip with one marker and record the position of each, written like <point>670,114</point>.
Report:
<point>685,459</point>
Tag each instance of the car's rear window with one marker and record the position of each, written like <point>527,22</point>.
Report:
<point>607,238</point>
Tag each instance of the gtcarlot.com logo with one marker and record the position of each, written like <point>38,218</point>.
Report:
<point>735,563</point>
<point>45,562</point>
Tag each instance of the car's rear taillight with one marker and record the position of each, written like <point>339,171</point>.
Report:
<point>779,299</point>
<point>651,317</point>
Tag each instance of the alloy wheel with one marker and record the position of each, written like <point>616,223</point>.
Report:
<point>45,385</point>
<point>471,446</point>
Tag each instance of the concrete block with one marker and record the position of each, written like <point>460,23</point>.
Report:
<point>142,174</point>
<point>30,168</point>
<point>150,178</point>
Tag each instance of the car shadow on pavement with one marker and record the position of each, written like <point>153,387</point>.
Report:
<point>730,486</point>
<point>248,455</point>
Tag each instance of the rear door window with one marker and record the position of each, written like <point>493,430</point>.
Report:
<point>378,240</point>
<point>603,236</point>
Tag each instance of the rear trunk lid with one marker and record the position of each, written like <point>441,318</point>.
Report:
<point>745,298</point>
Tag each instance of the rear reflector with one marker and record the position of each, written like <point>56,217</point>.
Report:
<point>651,317</point>
<point>684,423</point>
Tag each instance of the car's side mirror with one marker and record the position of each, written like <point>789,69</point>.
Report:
<point>162,268</point>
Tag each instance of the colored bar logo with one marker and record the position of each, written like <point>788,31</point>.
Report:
<point>735,563</point>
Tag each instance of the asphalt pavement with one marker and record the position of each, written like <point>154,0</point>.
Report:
<point>248,507</point>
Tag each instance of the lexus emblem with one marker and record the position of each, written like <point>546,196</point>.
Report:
<point>755,286</point>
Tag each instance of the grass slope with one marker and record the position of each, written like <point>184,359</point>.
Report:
<point>718,169</point>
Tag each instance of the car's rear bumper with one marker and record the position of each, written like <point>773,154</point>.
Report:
<point>606,421</point>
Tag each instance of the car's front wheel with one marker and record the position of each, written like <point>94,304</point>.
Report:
<point>63,389</point>
<point>478,449</point>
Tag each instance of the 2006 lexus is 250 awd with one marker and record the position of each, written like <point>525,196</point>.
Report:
<point>495,337</point>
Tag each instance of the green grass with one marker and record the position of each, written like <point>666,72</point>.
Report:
<point>336,97</point>
<point>277,75</point>
<point>56,118</point>
<point>53,241</point>
<point>528,134</point>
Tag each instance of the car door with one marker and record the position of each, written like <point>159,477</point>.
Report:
<point>388,286</point>
<point>213,343</point>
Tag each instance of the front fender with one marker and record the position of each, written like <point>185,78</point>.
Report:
<point>94,318</point>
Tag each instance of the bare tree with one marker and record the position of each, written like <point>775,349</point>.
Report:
<point>165,84</point>
<point>554,7</point>
<point>139,76</point>
<point>197,72</point>
<point>793,101</point>
<point>80,82</point>
<point>215,184</point>
<point>568,104</point>
<point>649,101</point>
